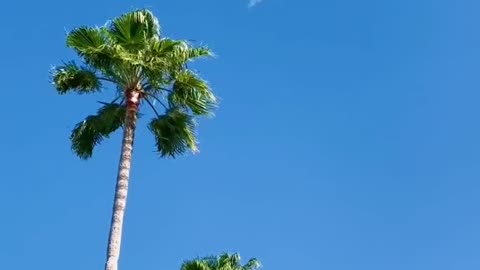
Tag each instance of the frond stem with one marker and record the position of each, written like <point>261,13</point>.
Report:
<point>113,101</point>
<point>159,101</point>
<point>147,88</point>
<point>153,108</point>
<point>106,79</point>
<point>165,89</point>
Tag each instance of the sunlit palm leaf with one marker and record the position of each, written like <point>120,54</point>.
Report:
<point>199,52</point>
<point>91,45</point>
<point>174,133</point>
<point>157,64</point>
<point>86,39</point>
<point>171,56</point>
<point>161,48</point>
<point>91,131</point>
<point>132,30</point>
<point>222,262</point>
<point>72,77</point>
<point>227,261</point>
<point>196,265</point>
<point>158,54</point>
<point>183,52</point>
<point>252,264</point>
<point>191,92</point>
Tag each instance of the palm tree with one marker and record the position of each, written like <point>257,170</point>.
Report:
<point>222,262</point>
<point>144,68</point>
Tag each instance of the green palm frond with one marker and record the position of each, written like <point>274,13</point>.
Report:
<point>131,30</point>
<point>198,52</point>
<point>174,133</point>
<point>86,39</point>
<point>91,45</point>
<point>163,47</point>
<point>184,52</point>
<point>196,265</point>
<point>226,261</point>
<point>166,57</point>
<point>98,51</point>
<point>91,131</point>
<point>191,92</point>
<point>154,63</point>
<point>71,77</point>
<point>222,262</point>
<point>252,264</point>
<point>158,53</point>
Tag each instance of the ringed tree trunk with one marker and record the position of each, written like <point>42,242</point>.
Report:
<point>121,189</point>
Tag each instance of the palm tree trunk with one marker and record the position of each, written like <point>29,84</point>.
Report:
<point>121,189</point>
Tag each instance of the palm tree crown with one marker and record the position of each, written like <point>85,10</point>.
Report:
<point>222,262</point>
<point>146,68</point>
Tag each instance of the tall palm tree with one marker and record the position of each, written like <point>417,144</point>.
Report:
<point>222,262</point>
<point>145,68</point>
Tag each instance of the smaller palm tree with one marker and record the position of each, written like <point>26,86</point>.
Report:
<point>222,262</point>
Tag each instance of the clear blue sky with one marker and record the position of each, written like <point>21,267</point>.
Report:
<point>347,139</point>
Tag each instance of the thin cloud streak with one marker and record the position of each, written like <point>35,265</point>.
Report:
<point>253,3</point>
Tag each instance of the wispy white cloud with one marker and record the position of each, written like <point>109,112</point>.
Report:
<point>253,3</point>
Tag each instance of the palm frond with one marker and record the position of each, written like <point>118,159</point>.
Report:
<point>223,262</point>
<point>91,131</point>
<point>84,39</point>
<point>91,45</point>
<point>158,53</point>
<point>71,77</point>
<point>156,64</point>
<point>167,57</point>
<point>196,265</point>
<point>162,47</point>
<point>191,92</point>
<point>184,52</point>
<point>199,52</point>
<point>131,30</point>
<point>252,264</point>
<point>174,133</point>
<point>226,261</point>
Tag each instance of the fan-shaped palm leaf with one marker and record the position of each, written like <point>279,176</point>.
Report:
<point>174,133</point>
<point>197,265</point>
<point>191,92</point>
<point>222,262</point>
<point>131,30</point>
<point>71,77</point>
<point>91,131</point>
<point>184,52</point>
<point>90,44</point>
<point>86,40</point>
